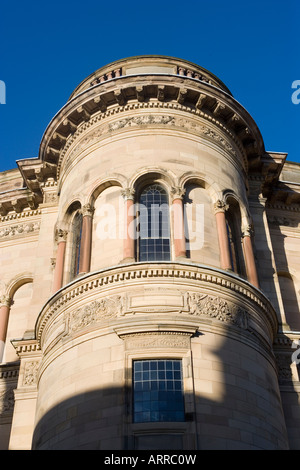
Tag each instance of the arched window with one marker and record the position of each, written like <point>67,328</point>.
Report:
<point>154,225</point>
<point>76,242</point>
<point>233,224</point>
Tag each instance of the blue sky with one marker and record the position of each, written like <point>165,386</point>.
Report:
<point>47,49</point>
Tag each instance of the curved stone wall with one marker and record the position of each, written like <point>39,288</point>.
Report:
<point>92,330</point>
<point>165,122</point>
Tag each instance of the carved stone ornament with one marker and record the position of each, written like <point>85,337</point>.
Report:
<point>247,231</point>
<point>157,340</point>
<point>61,235</point>
<point>220,206</point>
<point>177,192</point>
<point>30,373</point>
<point>94,312</point>
<point>283,363</point>
<point>128,193</point>
<point>5,301</point>
<point>87,209</point>
<point>218,308</point>
<point>20,229</point>
<point>7,402</point>
<point>75,146</point>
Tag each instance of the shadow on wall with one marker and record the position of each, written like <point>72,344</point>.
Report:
<point>246,414</point>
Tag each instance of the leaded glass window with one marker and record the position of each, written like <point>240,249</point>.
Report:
<point>158,391</point>
<point>154,233</point>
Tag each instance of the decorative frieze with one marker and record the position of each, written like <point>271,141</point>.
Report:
<point>217,308</point>
<point>19,230</point>
<point>94,312</point>
<point>152,340</point>
<point>191,298</point>
<point>231,144</point>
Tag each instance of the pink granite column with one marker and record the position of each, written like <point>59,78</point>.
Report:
<point>249,257</point>
<point>129,239</point>
<point>225,259</point>
<point>178,222</point>
<point>60,258</point>
<point>86,239</point>
<point>4,315</point>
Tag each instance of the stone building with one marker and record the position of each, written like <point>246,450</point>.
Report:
<point>150,272</point>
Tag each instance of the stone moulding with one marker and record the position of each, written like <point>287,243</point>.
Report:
<point>99,286</point>
<point>230,143</point>
<point>162,339</point>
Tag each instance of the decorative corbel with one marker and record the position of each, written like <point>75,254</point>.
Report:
<point>140,93</point>
<point>161,93</point>
<point>120,97</point>
<point>83,113</point>
<point>181,95</point>
<point>200,101</point>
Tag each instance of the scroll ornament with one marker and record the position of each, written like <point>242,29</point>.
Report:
<point>94,312</point>
<point>218,308</point>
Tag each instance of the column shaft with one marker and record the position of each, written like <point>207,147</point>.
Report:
<point>85,244</point>
<point>250,261</point>
<point>178,228</point>
<point>4,315</point>
<point>128,246</point>
<point>223,240</point>
<point>60,258</point>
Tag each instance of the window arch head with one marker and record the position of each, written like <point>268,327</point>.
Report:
<point>154,224</point>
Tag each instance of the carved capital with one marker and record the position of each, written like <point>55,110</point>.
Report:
<point>87,209</point>
<point>247,231</point>
<point>128,193</point>
<point>220,206</point>
<point>61,235</point>
<point>5,301</point>
<point>177,192</point>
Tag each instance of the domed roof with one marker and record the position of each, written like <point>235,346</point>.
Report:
<point>149,65</point>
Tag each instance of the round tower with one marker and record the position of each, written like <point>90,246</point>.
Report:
<point>156,335</point>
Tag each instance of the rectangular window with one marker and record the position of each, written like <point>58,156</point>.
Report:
<point>157,391</point>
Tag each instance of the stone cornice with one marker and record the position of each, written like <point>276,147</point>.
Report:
<point>187,276</point>
<point>216,106</point>
<point>165,117</point>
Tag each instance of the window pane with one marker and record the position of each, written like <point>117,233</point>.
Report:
<point>157,391</point>
<point>154,235</point>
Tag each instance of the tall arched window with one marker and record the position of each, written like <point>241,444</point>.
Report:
<point>76,242</point>
<point>233,223</point>
<point>154,225</point>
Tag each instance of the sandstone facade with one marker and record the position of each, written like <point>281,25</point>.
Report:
<point>87,293</point>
